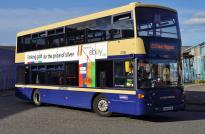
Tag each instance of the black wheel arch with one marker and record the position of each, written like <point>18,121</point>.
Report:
<point>93,98</point>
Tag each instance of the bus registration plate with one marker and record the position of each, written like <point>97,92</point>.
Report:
<point>168,108</point>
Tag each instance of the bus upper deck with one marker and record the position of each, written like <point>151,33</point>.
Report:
<point>118,26</point>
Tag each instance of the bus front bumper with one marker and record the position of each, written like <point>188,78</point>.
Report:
<point>179,107</point>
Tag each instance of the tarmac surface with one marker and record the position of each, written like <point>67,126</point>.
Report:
<point>20,117</point>
<point>195,97</point>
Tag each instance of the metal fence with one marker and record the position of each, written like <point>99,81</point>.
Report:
<point>193,70</point>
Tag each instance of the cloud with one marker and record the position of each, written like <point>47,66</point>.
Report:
<point>196,19</point>
<point>16,20</point>
<point>199,29</point>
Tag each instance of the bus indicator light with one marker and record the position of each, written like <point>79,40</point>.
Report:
<point>140,96</point>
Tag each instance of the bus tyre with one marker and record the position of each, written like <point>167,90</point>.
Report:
<point>101,106</point>
<point>36,98</point>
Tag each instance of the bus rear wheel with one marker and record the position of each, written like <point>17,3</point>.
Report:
<point>36,98</point>
<point>101,106</point>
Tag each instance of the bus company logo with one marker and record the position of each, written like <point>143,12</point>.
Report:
<point>123,97</point>
<point>163,47</point>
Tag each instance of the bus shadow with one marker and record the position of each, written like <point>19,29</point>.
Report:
<point>195,110</point>
<point>165,117</point>
<point>10,105</point>
<point>186,115</point>
<point>172,117</point>
<point>72,108</point>
<point>195,97</point>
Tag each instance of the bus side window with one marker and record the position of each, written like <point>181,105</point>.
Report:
<point>123,74</point>
<point>123,26</point>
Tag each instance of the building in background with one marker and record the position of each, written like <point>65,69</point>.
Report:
<point>7,67</point>
<point>194,63</point>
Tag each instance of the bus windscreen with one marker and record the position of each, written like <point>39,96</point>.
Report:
<point>158,73</point>
<point>157,22</point>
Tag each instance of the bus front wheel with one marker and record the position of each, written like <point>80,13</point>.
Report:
<point>101,106</point>
<point>36,98</point>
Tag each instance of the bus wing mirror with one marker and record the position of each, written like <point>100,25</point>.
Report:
<point>128,67</point>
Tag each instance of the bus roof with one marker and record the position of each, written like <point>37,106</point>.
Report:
<point>105,13</point>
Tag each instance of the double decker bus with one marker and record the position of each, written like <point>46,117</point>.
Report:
<point>123,60</point>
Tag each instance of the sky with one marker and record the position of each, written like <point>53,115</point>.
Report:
<point>19,15</point>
